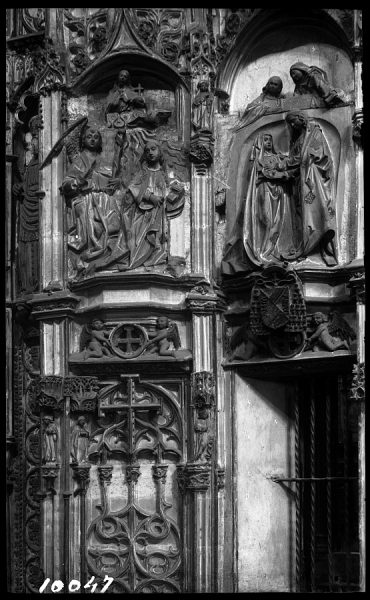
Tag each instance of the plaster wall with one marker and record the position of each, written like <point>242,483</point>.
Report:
<point>264,446</point>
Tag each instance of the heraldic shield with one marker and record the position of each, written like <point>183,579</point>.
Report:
<point>278,310</point>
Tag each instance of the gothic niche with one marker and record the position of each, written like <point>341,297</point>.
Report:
<point>26,190</point>
<point>286,176</point>
<point>150,339</point>
<point>125,179</point>
<point>133,530</point>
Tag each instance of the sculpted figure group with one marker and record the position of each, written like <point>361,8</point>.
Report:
<point>312,90</point>
<point>119,214</point>
<point>289,204</point>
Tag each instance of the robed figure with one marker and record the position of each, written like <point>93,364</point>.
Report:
<point>269,230</point>
<point>151,199</point>
<point>313,187</point>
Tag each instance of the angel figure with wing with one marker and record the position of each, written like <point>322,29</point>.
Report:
<point>94,342</point>
<point>89,189</point>
<point>167,333</point>
<point>330,334</point>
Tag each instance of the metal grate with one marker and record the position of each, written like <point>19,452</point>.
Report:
<point>326,487</point>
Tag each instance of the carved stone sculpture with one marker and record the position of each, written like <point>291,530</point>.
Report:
<point>203,436</point>
<point>330,333</point>
<point>267,102</point>
<point>94,340</point>
<point>202,108</point>
<point>50,440</point>
<point>126,106</point>
<point>289,204</point>
<point>80,439</point>
<point>28,193</point>
<point>313,187</point>
<point>95,211</point>
<point>313,81</point>
<point>152,197</point>
<point>167,334</point>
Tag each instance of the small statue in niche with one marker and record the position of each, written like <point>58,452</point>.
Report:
<point>330,334</point>
<point>80,440</point>
<point>151,198</point>
<point>313,81</point>
<point>267,102</point>
<point>202,109</point>
<point>28,193</point>
<point>95,208</point>
<point>94,340</point>
<point>167,333</point>
<point>126,106</point>
<point>122,94</point>
<point>50,440</point>
<point>203,438</point>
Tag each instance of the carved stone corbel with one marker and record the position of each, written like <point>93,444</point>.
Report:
<point>201,151</point>
<point>201,300</point>
<point>49,473</point>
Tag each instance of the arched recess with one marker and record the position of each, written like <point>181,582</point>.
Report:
<point>147,70</point>
<point>275,33</point>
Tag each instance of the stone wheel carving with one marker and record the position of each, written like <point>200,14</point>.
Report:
<point>287,344</point>
<point>128,340</point>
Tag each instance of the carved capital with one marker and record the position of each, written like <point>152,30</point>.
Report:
<point>160,473</point>
<point>202,300</point>
<point>82,475</point>
<point>83,392</point>
<point>132,473</point>
<point>201,151</point>
<point>105,474</point>
<point>357,392</point>
<point>49,473</point>
<point>197,477</point>
<point>203,389</point>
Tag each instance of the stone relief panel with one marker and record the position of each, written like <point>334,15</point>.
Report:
<point>126,179</point>
<point>156,338</point>
<point>287,200</point>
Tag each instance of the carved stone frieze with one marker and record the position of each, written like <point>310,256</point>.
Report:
<point>130,340</point>
<point>53,305</point>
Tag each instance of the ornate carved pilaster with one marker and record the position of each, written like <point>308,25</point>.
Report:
<point>82,475</point>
